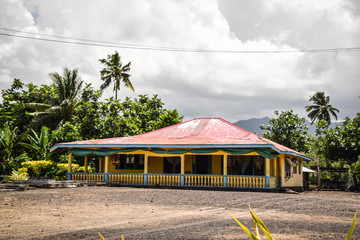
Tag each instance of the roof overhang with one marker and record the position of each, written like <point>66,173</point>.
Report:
<point>67,146</point>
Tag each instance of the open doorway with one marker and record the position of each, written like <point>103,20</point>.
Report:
<point>202,164</point>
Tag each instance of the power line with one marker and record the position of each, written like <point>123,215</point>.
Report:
<point>87,42</point>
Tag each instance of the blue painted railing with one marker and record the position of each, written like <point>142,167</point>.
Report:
<point>181,180</point>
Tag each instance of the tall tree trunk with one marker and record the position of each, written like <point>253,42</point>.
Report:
<point>318,174</point>
<point>355,180</point>
<point>353,175</point>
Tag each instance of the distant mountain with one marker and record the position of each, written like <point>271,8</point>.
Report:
<point>253,125</point>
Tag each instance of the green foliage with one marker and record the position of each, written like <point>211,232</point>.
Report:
<point>82,169</point>
<point>114,118</point>
<point>258,222</point>
<point>13,108</point>
<point>289,130</point>
<point>18,176</point>
<point>38,117</point>
<point>38,168</point>
<point>321,109</point>
<point>8,138</point>
<point>115,72</point>
<point>62,106</point>
<point>342,143</point>
<point>39,143</point>
<point>66,132</point>
<point>348,237</point>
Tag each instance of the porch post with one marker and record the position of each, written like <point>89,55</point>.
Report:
<point>182,157</point>
<point>86,163</point>
<point>267,167</point>
<point>281,171</point>
<point>275,171</point>
<point>146,169</point>
<point>69,166</point>
<point>267,172</point>
<point>225,158</point>
<point>106,169</point>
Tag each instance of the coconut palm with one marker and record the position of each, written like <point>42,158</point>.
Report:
<point>115,72</point>
<point>60,108</point>
<point>321,109</point>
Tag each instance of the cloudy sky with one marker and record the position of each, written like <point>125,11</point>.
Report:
<point>224,82</point>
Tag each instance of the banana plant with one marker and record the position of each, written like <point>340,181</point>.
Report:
<point>7,139</point>
<point>39,143</point>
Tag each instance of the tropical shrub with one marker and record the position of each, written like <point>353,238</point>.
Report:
<point>82,169</point>
<point>18,176</point>
<point>38,168</point>
<point>64,166</point>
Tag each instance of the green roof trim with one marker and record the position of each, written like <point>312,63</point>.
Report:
<point>81,152</point>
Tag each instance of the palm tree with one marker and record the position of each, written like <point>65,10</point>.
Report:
<point>61,107</point>
<point>321,109</point>
<point>116,72</point>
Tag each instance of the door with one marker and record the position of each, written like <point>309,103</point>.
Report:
<point>202,164</point>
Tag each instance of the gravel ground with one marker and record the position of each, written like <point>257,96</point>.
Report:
<point>144,213</point>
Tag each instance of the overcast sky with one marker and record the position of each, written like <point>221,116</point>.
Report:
<point>234,86</point>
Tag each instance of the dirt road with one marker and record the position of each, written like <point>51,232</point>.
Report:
<point>141,213</point>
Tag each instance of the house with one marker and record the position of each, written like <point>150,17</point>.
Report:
<point>202,152</point>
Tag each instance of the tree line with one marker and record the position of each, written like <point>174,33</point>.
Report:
<point>332,148</point>
<point>33,118</point>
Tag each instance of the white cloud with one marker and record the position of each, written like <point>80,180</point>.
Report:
<point>233,86</point>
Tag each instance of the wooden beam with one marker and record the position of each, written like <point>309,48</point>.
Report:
<point>225,163</point>
<point>86,163</point>
<point>69,162</point>
<point>182,156</point>
<point>106,164</point>
<point>146,164</point>
<point>267,167</point>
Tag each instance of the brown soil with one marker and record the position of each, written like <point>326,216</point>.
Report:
<point>143,213</point>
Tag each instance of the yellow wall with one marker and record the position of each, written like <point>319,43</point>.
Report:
<point>113,170</point>
<point>216,164</point>
<point>188,164</point>
<point>297,179</point>
<point>277,166</point>
<point>156,165</point>
<point>101,164</point>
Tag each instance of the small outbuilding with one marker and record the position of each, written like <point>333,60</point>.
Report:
<point>202,152</point>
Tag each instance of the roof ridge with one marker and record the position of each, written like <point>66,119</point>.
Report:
<point>232,124</point>
<point>163,128</point>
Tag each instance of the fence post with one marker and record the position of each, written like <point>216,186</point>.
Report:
<point>69,176</point>
<point>106,178</point>
<point>182,177</point>
<point>267,183</point>
<point>225,181</point>
<point>145,179</point>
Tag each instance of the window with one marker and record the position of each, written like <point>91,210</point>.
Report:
<point>295,169</point>
<point>288,173</point>
<point>128,161</point>
<point>287,166</point>
<point>259,166</point>
<point>246,165</point>
<point>172,164</point>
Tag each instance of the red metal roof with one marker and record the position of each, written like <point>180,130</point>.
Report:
<point>199,131</point>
